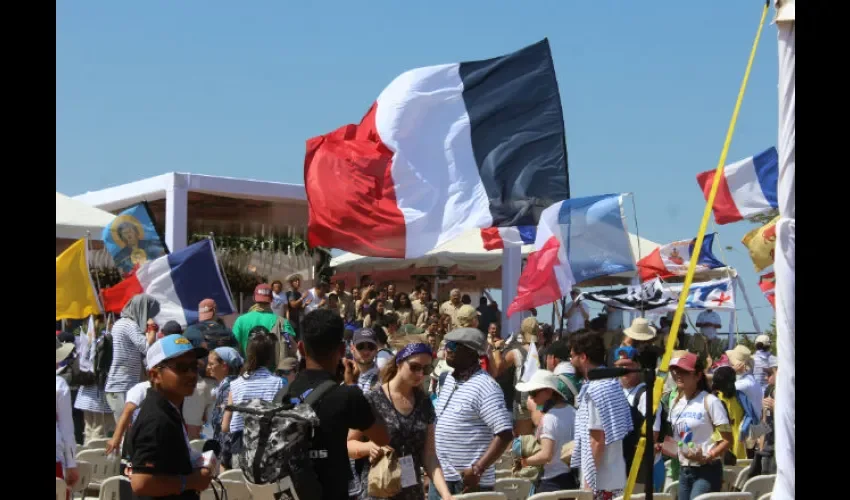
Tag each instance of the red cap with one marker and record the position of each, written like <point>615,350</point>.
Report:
<point>206,310</point>
<point>688,362</point>
<point>263,293</point>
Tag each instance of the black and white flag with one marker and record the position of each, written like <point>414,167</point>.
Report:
<point>650,295</point>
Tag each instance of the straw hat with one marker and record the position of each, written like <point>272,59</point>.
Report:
<point>738,356</point>
<point>640,330</point>
<point>62,351</point>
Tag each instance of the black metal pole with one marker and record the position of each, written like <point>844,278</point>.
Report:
<point>649,450</point>
<point>563,316</point>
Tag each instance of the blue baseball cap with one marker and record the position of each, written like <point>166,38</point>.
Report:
<point>171,346</point>
<point>625,352</point>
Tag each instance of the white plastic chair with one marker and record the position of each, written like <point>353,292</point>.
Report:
<point>198,445</point>
<point>744,462</point>
<point>730,475</point>
<point>734,495</point>
<point>760,485</point>
<point>61,489</point>
<point>103,466</point>
<point>237,490</point>
<point>110,489</point>
<point>514,489</point>
<point>84,469</point>
<point>233,475</point>
<point>97,444</point>
<point>766,497</point>
<point>563,495</point>
<point>641,496</point>
<point>742,478</point>
<point>483,495</point>
<point>262,491</point>
<point>672,489</point>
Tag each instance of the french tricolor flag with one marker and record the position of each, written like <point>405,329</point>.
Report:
<point>747,188</point>
<point>442,150</point>
<point>495,238</point>
<point>767,284</point>
<point>179,281</point>
<point>674,258</point>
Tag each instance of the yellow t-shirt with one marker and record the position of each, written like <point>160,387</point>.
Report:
<point>736,416</point>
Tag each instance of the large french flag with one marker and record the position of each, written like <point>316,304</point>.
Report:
<point>747,188</point>
<point>443,149</point>
<point>577,240</point>
<point>179,281</point>
<point>495,238</point>
<point>674,258</point>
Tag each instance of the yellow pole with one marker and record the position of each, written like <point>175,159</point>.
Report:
<point>692,265</point>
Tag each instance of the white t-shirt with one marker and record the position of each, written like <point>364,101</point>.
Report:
<point>558,425</point>
<point>611,473</point>
<point>747,384</point>
<point>575,321</point>
<point>137,395</point>
<point>709,317</point>
<point>691,424</point>
<point>314,301</point>
<point>615,318</point>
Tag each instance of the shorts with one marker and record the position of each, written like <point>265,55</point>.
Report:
<point>520,411</point>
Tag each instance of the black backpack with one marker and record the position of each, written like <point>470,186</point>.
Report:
<point>630,442</point>
<point>102,360</point>
<point>214,335</point>
<point>76,377</point>
<point>277,441</point>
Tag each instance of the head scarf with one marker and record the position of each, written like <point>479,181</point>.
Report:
<point>140,308</point>
<point>413,349</point>
<point>231,357</point>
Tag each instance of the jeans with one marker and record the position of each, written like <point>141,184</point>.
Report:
<point>116,401</point>
<point>566,481</point>
<point>695,481</point>
<point>455,487</point>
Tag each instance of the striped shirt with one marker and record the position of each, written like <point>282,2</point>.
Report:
<point>129,344</point>
<point>90,397</point>
<point>762,360</point>
<point>604,398</point>
<point>469,414</point>
<point>261,384</point>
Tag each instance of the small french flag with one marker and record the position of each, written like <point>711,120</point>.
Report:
<point>767,284</point>
<point>747,188</point>
<point>179,281</point>
<point>507,237</point>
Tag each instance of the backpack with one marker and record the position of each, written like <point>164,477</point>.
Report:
<point>285,345</point>
<point>729,458</point>
<point>752,427</point>
<point>277,441</point>
<point>215,335</point>
<point>630,442</point>
<point>103,360</point>
<point>76,377</point>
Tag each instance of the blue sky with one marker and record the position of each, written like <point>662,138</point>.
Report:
<point>221,88</point>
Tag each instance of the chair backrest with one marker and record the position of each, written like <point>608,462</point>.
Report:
<point>642,496</point>
<point>733,495</point>
<point>103,467</point>
<point>97,444</point>
<point>84,469</point>
<point>766,496</point>
<point>744,462</point>
<point>484,495</point>
<point>262,491</point>
<point>743,476</point>
<point>672,489</point>
<point>563,495</point>
<point>237,490</point>
<point>198,445</point>
<point>730,475</point>
<point>232,475</point>
<point>110,488</point>
<point>760,485</point>
<point>514,489</point>
<point>61,489</point>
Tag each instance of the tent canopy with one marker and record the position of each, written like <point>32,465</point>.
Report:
<point>467,253</point>
<point>74,218</point>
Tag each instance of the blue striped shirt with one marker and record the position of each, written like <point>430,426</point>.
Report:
<point>90,397</point>
<point>469,415</point>
<point>129,345</point>
<point>261,384</point>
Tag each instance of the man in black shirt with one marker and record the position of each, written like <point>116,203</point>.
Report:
<point>161,458</point>
<point>341,408</point>
<point>295,303</point>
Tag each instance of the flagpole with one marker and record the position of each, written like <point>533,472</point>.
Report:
<point>740,283</point>
<point>96,278</point>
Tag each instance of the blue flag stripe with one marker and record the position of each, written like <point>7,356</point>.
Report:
<point>194,272</point>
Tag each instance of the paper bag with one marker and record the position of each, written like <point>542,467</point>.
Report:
<point>385,476</point>
<point>567,452</point>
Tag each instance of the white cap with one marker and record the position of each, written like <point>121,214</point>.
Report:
<point>763,339</point>
<point>542,379</point>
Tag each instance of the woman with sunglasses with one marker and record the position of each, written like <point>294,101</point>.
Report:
<point>557,428</point>
<point>409,416</point>
<point>256,382</point>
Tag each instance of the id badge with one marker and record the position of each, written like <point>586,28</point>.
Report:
<point>408,471</point>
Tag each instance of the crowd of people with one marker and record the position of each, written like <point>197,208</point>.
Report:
<point>437,384</point>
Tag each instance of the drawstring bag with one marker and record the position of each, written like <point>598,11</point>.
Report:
<point>385,475</point>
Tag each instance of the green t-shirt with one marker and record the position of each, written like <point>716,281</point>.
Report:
<point>249,320</point>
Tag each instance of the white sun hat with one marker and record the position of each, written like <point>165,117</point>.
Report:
<point>542,379</point>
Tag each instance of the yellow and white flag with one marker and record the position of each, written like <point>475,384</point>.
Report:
<point>76,297</point>
<point>761,243</point>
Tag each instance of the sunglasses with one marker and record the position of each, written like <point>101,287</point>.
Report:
<point>186,367</point>
<point>417,368</point>
<point>285,373</point>
<point>452,345</point>
<point>365,346</point>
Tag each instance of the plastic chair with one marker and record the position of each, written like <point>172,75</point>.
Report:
<point>563,495</point>
<point>672,489</point>
<point>237,490</point>
<point>262,491</point>
<point>110,488</point>
<point>744,462</point>
<point>103,466</point>
<point>656,496</point>
<point>734,495</point>
<point>233,475</point>
<point>97,444</point>
<point>730,475</point>
<point>514,489</point>
<point>484,495</point>
<point>61,489</point>
<point>760,485</point>
<point>84,469</point>
<point>198,445</point>
<point>742,478</point>
<point>766,497</point>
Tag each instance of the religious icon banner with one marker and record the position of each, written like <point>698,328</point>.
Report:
<point>132,239</point>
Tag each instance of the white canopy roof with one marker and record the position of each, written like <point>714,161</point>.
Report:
<point>74,218</point>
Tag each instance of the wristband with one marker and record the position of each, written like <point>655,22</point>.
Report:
<point>183,480</point>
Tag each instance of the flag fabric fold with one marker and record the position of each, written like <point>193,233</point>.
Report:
<point>761,243</point>
<point>674,258</point>
<point>714,294</point>
<point>767,284</point>
<point>443,149</point>
<point>179,281</point>
<point>76,297</point>
<point>495,238</point>
<point>747,188</point>
<point>577,240</point>
<point>648,296</point>
<point>132,239</point>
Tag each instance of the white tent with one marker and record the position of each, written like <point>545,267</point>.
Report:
<point>467,253</point>
<point>74,218</point>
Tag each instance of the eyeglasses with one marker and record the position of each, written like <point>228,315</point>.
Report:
<point>365,346</point>
<point>186,367</point>
<point>416,368</point>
